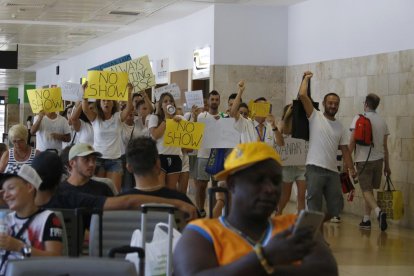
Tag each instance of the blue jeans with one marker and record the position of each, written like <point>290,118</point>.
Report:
<point>323,183</point>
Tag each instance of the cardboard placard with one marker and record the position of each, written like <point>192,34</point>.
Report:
<point>107,85</point>
<point>45,99</point>
<point>139,72</point>
<point>183,134</point>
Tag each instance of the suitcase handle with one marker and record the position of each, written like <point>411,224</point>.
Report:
<point>158,207</point>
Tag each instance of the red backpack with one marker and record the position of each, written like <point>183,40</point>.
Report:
<point>363,131</point>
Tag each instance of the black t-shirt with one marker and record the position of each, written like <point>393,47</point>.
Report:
<point>92,187</point>
<point>163,192</point>
<point>66,199</point>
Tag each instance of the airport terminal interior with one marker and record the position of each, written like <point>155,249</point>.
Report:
<point>352,47</point>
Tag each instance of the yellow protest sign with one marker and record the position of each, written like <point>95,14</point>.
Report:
<point>259,109</point>
<point>107,85</point>
<point>139,72</point>
<point>183,134</point>
<point>47,99</point>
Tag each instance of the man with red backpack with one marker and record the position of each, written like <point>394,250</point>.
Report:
<point>369,140</point>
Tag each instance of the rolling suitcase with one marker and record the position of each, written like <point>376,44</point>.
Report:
<point>145,208</point>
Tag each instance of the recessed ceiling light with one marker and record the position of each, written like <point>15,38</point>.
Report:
<point>124,13</point>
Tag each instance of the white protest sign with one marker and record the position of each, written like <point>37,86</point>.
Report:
<point>173,89</point>
<point>71,91</point>
<point>219,133</point>
<point>294,152</point>
<point>194,98</point>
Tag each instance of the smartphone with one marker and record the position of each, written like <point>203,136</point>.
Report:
<point>312,219</point>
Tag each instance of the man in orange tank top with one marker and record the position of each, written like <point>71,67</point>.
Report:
<point>250,241</point>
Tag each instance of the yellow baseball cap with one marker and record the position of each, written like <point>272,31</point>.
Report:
<point>246,155</point>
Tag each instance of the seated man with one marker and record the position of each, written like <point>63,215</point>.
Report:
<point>249,241</point>
<point>29,230</point>
<point>49,167</point>
<point>82,164</point>
<point>143,162</point>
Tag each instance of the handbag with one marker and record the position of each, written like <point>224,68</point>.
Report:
<point>347,186</point>
<point>391,201</point>
<point>156,251</point>
<point>300,123</point>
<point>215,161</point>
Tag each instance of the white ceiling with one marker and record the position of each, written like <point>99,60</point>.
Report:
<point>51,30</point>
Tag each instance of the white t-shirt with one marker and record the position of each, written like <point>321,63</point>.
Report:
<point>47,126</point>
<point>85,133</point>
<point>249,131</point>
<point>324,138</point>
<point>379,130</point>
<point>107,136</point>
<point>166,150</point>
<point>140,128</point>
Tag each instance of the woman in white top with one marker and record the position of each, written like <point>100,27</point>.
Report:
<point>107,125</point>
<point>171,163</point>
<point>290,173</point>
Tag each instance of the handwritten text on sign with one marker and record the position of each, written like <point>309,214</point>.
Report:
<point>48,100</point>
<point>194,98</point>
<point>183,134</point>
<point>71,91</point>
<point>173,89</point>
<point>139,72</point>
<point>107,85</point>
<point>294,152</point>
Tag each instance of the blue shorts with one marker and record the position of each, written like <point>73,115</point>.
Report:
<point>109,165</point>
<point>323,183</point>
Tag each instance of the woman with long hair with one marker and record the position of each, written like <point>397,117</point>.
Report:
<point>291,173</point>
<point>106,123</point>
<point>21,152</point>
<point>170,157</point>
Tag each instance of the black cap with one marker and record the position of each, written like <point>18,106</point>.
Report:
<point>49,167</point>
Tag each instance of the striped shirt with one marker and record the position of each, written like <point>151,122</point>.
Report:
<point>13,166</point>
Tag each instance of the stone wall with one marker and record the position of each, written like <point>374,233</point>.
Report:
<point>389,75</point>
<point>260,81</point>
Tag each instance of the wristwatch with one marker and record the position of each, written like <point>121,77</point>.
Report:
<point>26,251</point>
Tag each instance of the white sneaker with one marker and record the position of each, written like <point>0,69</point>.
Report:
<point>336,220</point>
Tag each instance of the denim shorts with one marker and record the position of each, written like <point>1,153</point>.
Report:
<point>109,165</point>
<point>293,173</point>
<point>323,183</point>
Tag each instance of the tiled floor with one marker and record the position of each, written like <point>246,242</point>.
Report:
<point>364,252</point>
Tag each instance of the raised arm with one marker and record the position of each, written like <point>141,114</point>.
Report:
<point>234,111</point>
<point>37,123</point>
<point>74,118</point>
<point>128,109</point>
<point>303,93</point>
<point>90,114</point>
<point>148,102</point>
